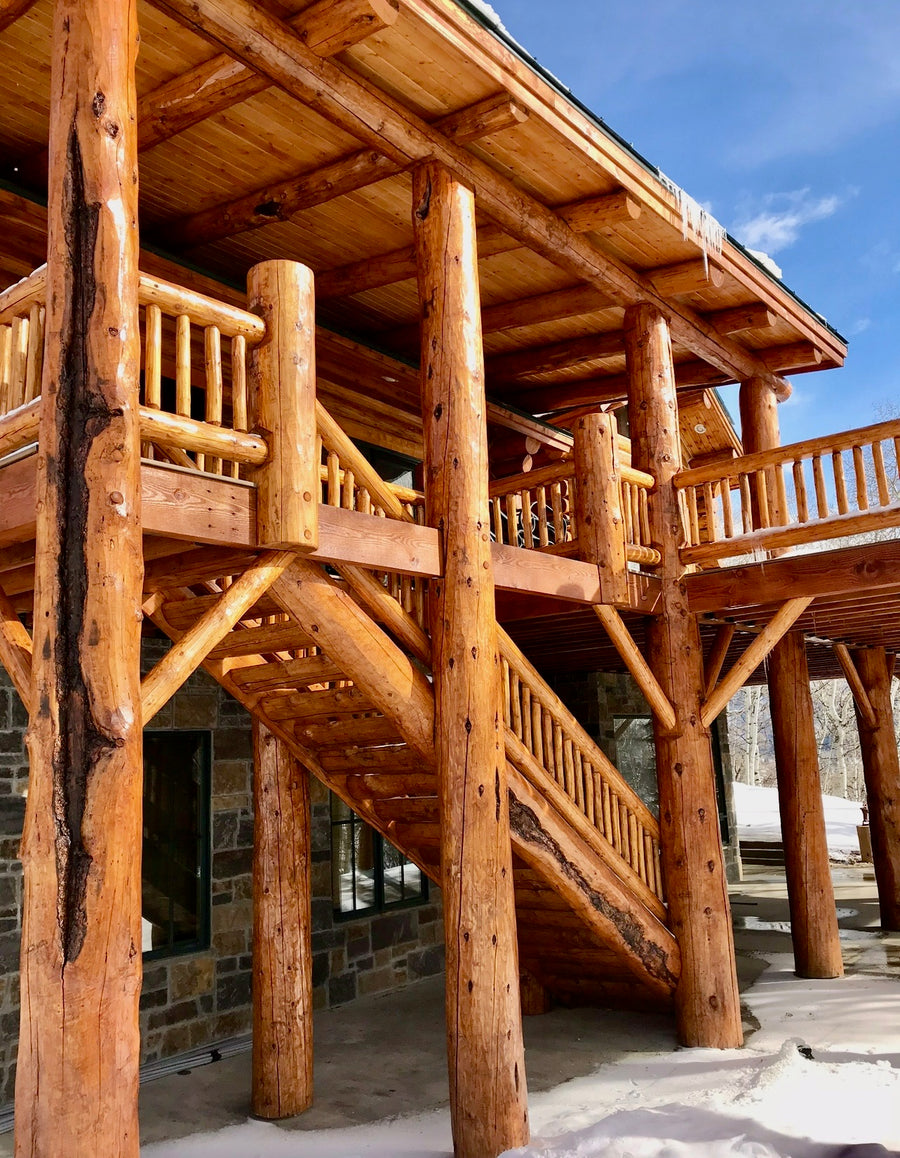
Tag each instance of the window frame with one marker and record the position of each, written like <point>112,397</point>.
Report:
<point>379,904</point>
<point>203,940</point>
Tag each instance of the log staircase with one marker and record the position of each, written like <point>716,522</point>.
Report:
<point>589,899</point>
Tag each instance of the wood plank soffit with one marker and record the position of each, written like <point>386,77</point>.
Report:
<point>281,201</point>
<point>383,124</point>
<point>11,10</point>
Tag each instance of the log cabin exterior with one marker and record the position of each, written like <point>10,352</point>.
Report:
<point>282,229</point>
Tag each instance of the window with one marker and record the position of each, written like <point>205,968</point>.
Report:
<point>367,873</point>
<point>175,877</point>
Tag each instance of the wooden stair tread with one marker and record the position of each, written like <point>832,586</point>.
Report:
<point>287,673</point>
<point>329,703</point>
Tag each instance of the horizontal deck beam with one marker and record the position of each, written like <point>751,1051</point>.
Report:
<point>221,512</point>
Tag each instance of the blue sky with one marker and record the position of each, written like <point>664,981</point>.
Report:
<point>783,118</point>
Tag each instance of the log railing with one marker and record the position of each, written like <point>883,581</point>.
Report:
<point>537,510</point>
<point>550,745</point>
<point>194,355</point>
<point>803,493</point>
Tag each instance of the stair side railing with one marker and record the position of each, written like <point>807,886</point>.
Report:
<point>802,493</point>
<point>557,755</point>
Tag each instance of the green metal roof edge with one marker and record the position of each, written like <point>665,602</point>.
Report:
<point>564,91</point>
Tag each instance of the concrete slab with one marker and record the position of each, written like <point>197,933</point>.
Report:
<point>383,1056</point>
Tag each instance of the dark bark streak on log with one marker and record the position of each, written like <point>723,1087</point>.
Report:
<point>527,826</point>
<point>84,413</point>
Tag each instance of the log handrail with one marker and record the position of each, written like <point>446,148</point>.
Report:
<point>788,453</point>
<point>549,493</point>
<point>171,316</point>
<point>575,765</point>
<point>350,481</point>
<point>805,492</point>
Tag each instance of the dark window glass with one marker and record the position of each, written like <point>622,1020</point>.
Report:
<point>368,873</point>
<point>175,881</point>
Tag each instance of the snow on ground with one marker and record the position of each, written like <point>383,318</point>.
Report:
<point>770,1100</point>
<point>757,817</point>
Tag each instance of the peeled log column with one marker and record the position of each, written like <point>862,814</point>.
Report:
<point>488,1101</point>
<point>814,927</point>
<point>881,767</point>
<point>282,952</point>
<point>598,504</point>
<point>707,1001</point>
<point>77,1080</point>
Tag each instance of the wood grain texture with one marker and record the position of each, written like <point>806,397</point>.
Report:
<point>881,768</point>
<point>282,379</point>
<point>598,505</point>
<point>282,931</point>
<point>488,1096</point>
<point>79,1045</point>
<point>814,926</point>
<point>707,1001</point>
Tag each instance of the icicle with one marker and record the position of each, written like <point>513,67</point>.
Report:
<point>696,221</point>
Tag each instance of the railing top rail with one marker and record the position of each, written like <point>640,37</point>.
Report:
<point>16,298</point>
<point>543,476</point>
<point>171,298</point>
<point>761,459</point>
<point>203,310</point>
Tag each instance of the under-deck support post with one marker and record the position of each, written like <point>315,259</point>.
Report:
<point>488,1101</point>
<point>282,931</point>
<point>707,1002</point>
<point>77,1078</point>
<point>814,927</point>
<point>881,768</point>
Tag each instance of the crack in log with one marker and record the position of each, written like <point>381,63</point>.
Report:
<point>84,413</point>
<point>527,826</point>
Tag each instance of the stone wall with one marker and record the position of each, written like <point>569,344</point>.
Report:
<point>191,1000</point>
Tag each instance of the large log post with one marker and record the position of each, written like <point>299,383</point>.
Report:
<point>77,1080</point>
<point>283,394</point>
<point>707,1002</point>
<point>598,504</point>
<point>282,946</point>
<point>814,927</point>
<point>488,1101</point>
<point>881,768</point>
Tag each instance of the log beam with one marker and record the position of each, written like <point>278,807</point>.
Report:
<point>79,1048</point>
<point>640,670</point>
<point>814,926</point>
<point>568,355</point>
<point>15,650</point>
<point>282,201</point>
<point>11,10</point>
<point>488,1099</point>
<point>861,700</point>
<point>715,661</point>
<point>326,27</point>
<point>738,319</point>
<point>738,674</point>
<point>168,675</point>
<point>706,998</point>
<point>282,930</point>
<point>881,769</point>
<point>271,47</point>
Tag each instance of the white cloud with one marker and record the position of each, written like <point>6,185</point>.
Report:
<point>782,215</point>
<point>859,327</point>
